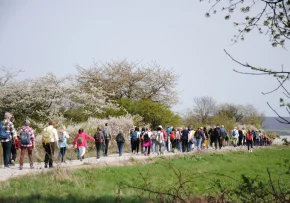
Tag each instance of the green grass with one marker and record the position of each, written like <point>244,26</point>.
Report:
<point>101,184</point>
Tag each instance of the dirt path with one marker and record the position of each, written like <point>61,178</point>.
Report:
<point>111,160</point>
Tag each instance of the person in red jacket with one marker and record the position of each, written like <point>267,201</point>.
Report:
<point>249,140</point>
<point>80,142</point>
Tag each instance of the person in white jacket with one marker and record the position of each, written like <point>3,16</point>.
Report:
<point>235,136</point>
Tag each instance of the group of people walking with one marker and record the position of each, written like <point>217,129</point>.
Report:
<point>142,140</point>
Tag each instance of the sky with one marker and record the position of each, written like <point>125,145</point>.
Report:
<point>53,36</point>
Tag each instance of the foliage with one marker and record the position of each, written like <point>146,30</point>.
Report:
<point>271,18</point>
<point>152,113</point>
<point>124,79</point>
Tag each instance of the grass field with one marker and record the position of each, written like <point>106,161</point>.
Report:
<point>101,184</point>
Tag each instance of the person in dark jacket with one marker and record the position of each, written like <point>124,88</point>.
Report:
<point>120,142</point>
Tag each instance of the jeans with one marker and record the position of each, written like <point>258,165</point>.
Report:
<point>249,143</point>
<point>190,146</point>
<point>153,149</point>
<point>159,148</point>
<point>23,150</point>
<point>61,155</point>
<point>220,140</point>
<point>198,143</point>
<point>120,147</point>
<point>6,151</point>
<point>107,142</point>
<point>49,153</point>
<point>98,148</point>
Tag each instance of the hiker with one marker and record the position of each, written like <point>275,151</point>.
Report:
<point>240,137</point>
<point>15,145</point>
<point>153,140</point>
<point>211,137</point>
<point>120,139</point>
<point>198,136</point>
<point>165,137</point>
<point>7,132</point>
<point>173,139</point>
<point>235,136</point>
<point>258,133</point>
<point>168,141</point>
<point>160,141</point>
<point>135,140</point>
<point>107,138</point>
<point>49,138</point>
<point>249,140</point>
<point>178,139</point>
<point>62,143</point>
<point>130,135</point>
<point>27,138</point>
<point>141,140</point>
<point>206,137</point>
<point>146,141</point>
<point>191,139</point>
<point>217,135</point>
<point>80,142</point>
<point>99,139</point>
<point>223,136</point>
<point>184,138</point>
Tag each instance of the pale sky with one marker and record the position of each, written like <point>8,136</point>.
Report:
<point>52,36</point>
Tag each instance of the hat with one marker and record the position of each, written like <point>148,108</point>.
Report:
<point>160,126</point>
<point>223,126</point>
<point>7,115</point>
<point>235,127</point>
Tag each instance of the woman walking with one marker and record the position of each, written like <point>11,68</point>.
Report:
<point>249,141</point>
<point>120,139</point>
<point>62,143</point>
<point>80,142</point>
<point>99,139</point>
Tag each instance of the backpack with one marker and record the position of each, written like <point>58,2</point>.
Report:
<point>106,134</point>
<point>146,137</point>
<point>159,138</point>
<point>172,135</point>
<point>3,134</point>
<point>249,136</point>
<point>120,138</point>
<point>80,140</point>
<point>134,136</point>
<point>45,137</point>
<point>24,137</point>
<point>60,136</point>
<point>198,134</point>
<point>98,137</point>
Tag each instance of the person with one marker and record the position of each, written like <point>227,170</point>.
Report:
<point>206,137</point>
<point>184,138</point>
<point>235,136</point>
<point>198,136</point>
<point>217,135</point>
<point>26,144</point>
<point>153,139</point>
<point>146,141</point>
<point>223,136</point>
<point>15,145</point>
<point>62,143</point>
<point>159,141</point>
<point>173,139</point>
<point>211,137</point>
<point>240,137</point>
<point>168,141</point>
<point>9,130</point>
<point>130,135</point>
<point>120,139</point>
<point>99,139</point>
<point>178,139</point>
<point>165,137</point>
<point>134,139</point>
<point>49,138</point>
<point>249,140</point>
<point>107,137</point>
<point>80,142</point>
<point>191,139</point>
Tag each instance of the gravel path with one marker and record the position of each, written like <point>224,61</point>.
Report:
<point>111,160</point>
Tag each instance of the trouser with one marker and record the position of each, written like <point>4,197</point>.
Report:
<point>206,143</point>
<point>173,143</point>
<point>120,148</point>
<point>49,153</point>
<point>98,148</point>
<point>132,145</point>
<point>249,143</point>
<point>147,149</point>
<point>82,151</point>
<point>235,140</point>
<point>184,146</point>
<point>107,142</point>
<point>159,148</point>
<point>137,145</point>
<point>23,150</point>
<point>61,155</point>
<point>214,141</point>
<point>220,140</point>
<point>153,146</point>
<point>6,152</point>
<point>240,143</point>
<point>13,153</point>
<point>198,143</point>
